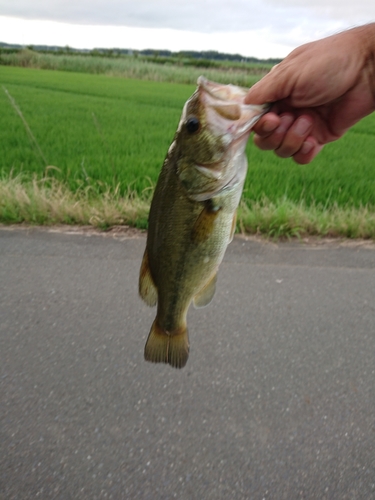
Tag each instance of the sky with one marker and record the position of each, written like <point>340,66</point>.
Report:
<point>259,28</point>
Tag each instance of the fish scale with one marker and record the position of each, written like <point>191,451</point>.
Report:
<point>193,213</point>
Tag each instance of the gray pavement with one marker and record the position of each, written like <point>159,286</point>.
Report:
<point>277,400</point>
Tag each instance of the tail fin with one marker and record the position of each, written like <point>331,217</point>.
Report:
<point>167,347</point>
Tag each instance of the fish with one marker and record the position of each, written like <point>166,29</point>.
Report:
<point>192,216</point>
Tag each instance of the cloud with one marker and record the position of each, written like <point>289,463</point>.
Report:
<point>205,16</point>
<point>249,27</point>
<point>256,43</point>
<point>351,12</point>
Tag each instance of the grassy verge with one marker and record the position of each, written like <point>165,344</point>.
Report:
<point>49,201</point>
<point>284,218</point>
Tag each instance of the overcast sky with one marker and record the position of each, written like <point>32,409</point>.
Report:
<point>260,28</point>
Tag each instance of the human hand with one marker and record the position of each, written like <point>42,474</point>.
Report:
<point>319,91</point>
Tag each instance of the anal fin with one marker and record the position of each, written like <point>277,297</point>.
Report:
<point>233,228</point>
<point>147,288</point>
<point>204,297</point>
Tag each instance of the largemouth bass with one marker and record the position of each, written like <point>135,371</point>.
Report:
<point>193,213</point>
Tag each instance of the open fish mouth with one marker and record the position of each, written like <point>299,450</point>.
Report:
<point>226,111</point>
<point>226,122</point>
<point>229,117</point>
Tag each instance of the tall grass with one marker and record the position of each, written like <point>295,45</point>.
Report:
<point>285,218</point>
<point>48,201</point>
<point>135,67</point>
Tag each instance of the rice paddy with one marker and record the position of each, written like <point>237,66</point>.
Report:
<point>99,137</point>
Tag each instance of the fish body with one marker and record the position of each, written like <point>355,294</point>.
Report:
<point>193,213</point>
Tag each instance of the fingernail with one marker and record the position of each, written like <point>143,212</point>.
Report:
<point>306,147</point>
<point>302,126</point>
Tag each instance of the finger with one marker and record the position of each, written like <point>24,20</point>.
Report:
<point>275,139</point>
<point>295,136</point>
<point>308,151</point>
<point>267,124</point>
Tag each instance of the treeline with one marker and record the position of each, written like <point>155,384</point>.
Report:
<point>196,58</point>
<point>207,54</point>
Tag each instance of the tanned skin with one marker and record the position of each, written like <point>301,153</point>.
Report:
<point>319,91</point>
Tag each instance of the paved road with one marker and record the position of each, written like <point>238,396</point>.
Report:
<point>277,400</point>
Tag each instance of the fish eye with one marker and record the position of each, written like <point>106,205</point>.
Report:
<point>192,124</point>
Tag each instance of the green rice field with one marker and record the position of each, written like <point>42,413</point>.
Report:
<point>103,136</point>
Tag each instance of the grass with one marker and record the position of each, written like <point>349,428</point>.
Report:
<point>90,147</point>
<point>141,68</point>
<point>289,219</point>
<point>93,130</point>
<point>48,201</point>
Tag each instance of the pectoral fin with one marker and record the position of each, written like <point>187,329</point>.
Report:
<point>205,223</point>
<point>147,288</point>
<point>204,297</point>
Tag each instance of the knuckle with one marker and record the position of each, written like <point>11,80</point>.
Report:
<point>267,144</point>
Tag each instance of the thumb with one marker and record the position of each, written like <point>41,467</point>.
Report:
<point>267,90</point>
<point>255,94</point>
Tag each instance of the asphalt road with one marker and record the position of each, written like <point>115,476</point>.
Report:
<point>277,400</point>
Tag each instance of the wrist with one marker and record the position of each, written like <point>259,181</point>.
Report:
<point>367,47</point>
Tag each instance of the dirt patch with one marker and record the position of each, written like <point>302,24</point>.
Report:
<point>126,232</point>
<point>115,231</point>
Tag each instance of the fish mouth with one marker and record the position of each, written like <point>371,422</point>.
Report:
<point>226,110</point>
<point>229,119</point>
